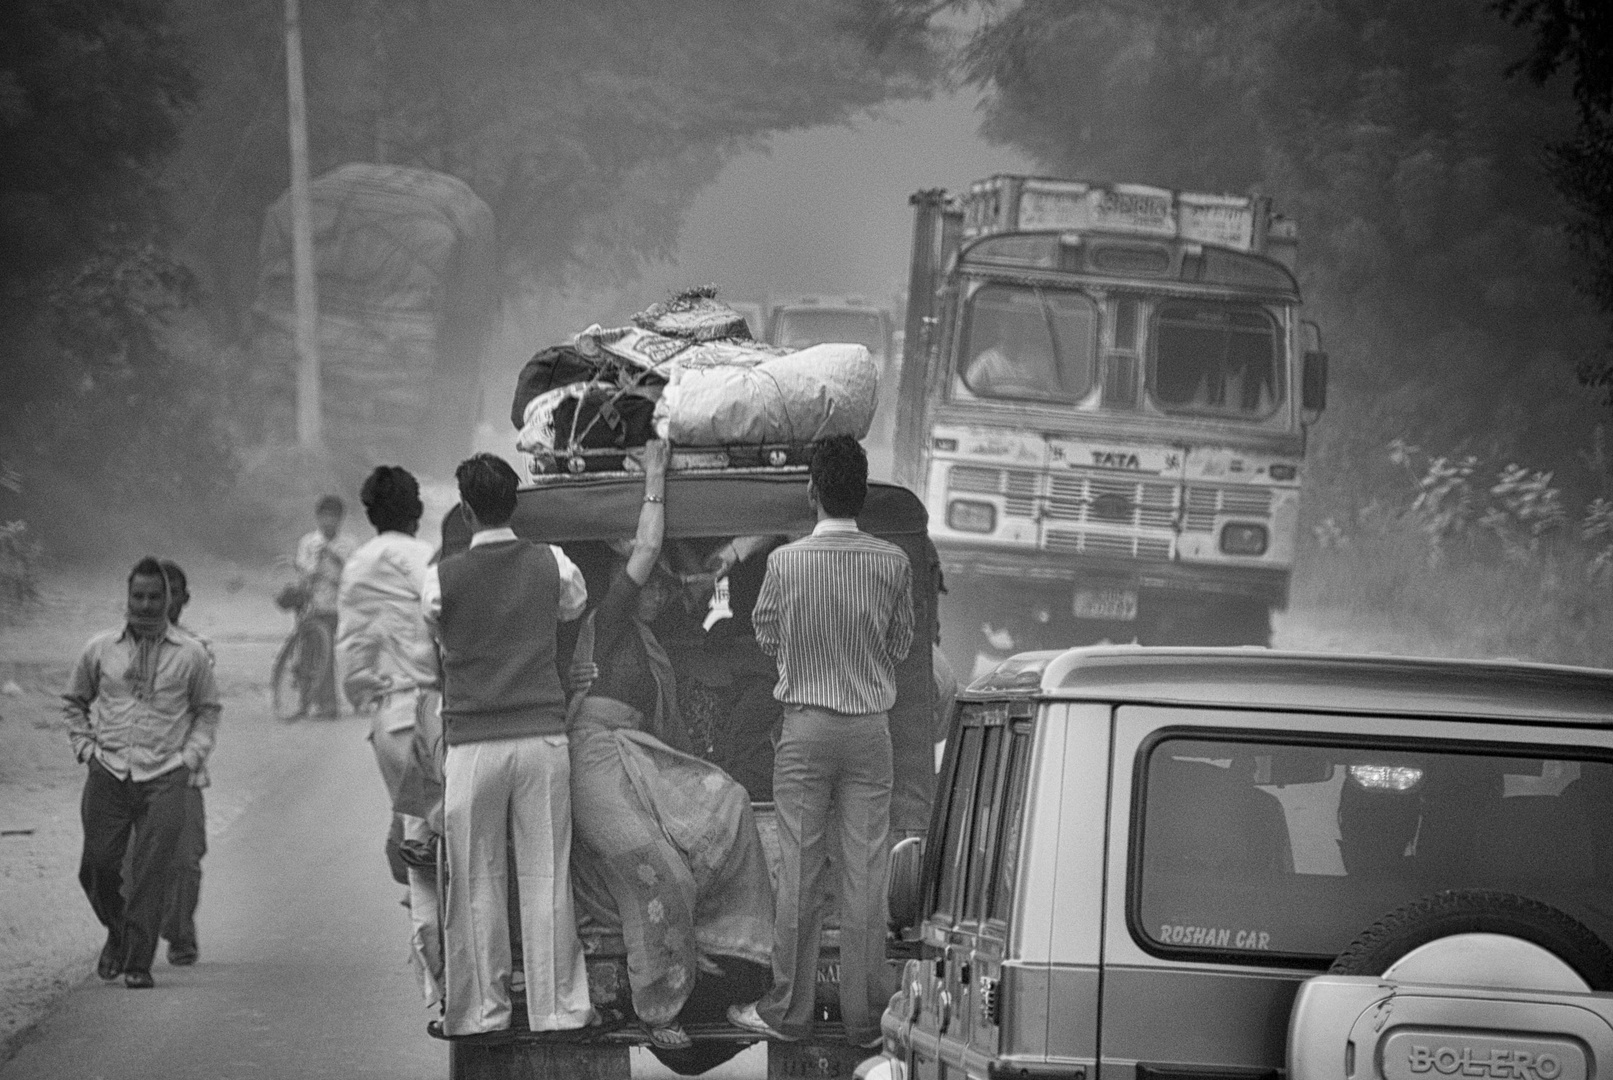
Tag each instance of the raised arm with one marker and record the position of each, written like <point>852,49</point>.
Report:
<point>652,515</point>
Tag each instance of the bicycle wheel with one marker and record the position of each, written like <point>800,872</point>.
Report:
<point>285,682</point>
<point>314,662</point>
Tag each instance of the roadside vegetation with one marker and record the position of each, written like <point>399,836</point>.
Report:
<point>1474,558</point>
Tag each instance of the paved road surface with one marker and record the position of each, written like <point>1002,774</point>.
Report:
<point>303,970</point>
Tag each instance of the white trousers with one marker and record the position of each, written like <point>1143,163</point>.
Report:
<point>425,943</point>
<point>495,792</point>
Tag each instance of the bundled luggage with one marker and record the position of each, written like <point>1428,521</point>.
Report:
<point>688,371</point>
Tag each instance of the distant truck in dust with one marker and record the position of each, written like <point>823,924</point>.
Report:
<point>1104,406</point>
<point>814,320</point>
<point>406,275</point>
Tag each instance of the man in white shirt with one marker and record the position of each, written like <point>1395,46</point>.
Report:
<point>384,653</point>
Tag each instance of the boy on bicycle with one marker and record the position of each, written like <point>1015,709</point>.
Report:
<point>321,554</point>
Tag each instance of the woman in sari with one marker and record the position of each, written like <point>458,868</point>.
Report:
<point>670,836</point>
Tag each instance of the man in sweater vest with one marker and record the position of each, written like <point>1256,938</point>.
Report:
<point>494,609</point>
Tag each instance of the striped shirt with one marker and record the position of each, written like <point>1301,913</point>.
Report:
<point>836,612</point>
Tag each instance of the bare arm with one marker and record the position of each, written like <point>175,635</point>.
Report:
<point>652,515</point>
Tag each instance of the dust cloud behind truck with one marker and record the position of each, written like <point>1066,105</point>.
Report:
<point>1104,403</point>
<point>405,262</point>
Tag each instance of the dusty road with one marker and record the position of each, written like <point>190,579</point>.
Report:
<point>303,969</point>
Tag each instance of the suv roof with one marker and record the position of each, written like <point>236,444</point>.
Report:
<point>1310,682</point>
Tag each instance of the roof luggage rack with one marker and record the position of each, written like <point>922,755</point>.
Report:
<point>769,457</point>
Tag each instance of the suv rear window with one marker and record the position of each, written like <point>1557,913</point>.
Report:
<point>1259,850</point>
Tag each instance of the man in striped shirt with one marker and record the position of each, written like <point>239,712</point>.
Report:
<point>836,612</point>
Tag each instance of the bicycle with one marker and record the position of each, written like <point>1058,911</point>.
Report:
<point>304,661</point>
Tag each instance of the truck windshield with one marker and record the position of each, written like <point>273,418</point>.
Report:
<point>799,329</point>
<point>1027,343</point>
<point>1268,847</point>
<point>1216,359</point>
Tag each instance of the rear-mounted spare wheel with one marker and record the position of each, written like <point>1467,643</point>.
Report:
<point>1459,984</point>
<point>1462,937</point>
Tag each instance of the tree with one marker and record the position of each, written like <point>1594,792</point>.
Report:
<point>93,398</point>
<point>586,127</point>
<point>1431,247</point>
<point>1579,34</point>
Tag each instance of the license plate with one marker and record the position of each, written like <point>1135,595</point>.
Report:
<point>1118,605</point>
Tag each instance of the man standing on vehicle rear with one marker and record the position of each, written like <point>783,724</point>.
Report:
<point>507,773</point>
<point>836,612</point>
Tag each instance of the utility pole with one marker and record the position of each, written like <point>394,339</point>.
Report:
<point>305,297</point>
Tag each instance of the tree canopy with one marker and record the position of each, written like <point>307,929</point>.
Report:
<point>1432,246</point>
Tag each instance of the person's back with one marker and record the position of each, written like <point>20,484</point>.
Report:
<point>500,605</point>
<point>506,772</point>
<point>836,611</point>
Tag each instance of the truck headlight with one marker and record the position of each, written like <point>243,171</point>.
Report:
<point>970,516</point>
<point>966,515</point>
<point>1238,538</point>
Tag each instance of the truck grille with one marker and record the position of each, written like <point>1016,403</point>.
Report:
<point>1017,486</point>
<point>1112,500</point>
<point>1118,545</point>
<point>1205,502</point>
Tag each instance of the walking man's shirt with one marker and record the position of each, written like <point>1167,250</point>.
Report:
<point>836,611</point>
<point>142,709</point>
<point>495,609</point>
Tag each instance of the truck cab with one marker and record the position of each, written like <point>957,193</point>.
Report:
<point>1142,861</point>
<point>1104,405</point>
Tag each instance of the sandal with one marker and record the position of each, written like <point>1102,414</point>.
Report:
<point>669,1037</point>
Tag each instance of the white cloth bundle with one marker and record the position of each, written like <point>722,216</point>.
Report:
<point>796,397</point>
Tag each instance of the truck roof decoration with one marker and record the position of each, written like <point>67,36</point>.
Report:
<point>1007,203</point>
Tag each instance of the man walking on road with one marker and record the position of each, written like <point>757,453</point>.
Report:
<point>142,710</point>
<point>507,775</point>
<point>836,612</point>
<point>185,874</point>
<point>321,555</point>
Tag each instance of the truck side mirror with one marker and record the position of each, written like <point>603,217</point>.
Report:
<point>905,883</point>
<point>1313,384</point>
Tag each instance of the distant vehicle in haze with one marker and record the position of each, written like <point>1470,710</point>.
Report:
<point>813,320</point>
<point>1106,395</point>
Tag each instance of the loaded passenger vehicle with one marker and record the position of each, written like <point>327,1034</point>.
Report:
<point>1235,864</point>
<point>721,674</point>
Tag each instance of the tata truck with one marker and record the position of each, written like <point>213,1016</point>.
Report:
<point>1103,405</point>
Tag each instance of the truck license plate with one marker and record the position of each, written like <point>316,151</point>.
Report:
<point>1119,605</point>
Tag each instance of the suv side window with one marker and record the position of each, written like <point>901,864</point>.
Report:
<point>954,856</point>
<point>999,895</point>
<point>987,806</point>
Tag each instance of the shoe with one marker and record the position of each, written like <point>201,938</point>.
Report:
<point>435,1029</point>
<point>138,980</point>
<point>182,955</point>
<point>668,1037</point>
<point>745,1016</point>
<point>110,963</point>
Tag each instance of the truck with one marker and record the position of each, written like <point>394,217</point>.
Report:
<point>1104,405</point>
